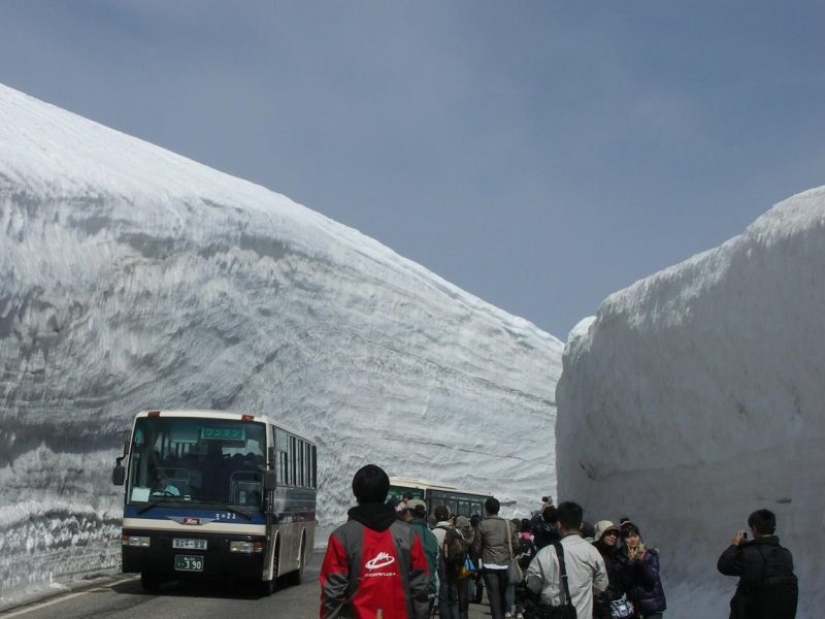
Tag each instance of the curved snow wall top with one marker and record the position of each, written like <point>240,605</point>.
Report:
<point>133,278</point>
<point>696,396</point>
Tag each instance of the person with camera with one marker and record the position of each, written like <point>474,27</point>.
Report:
<point>767,587</point>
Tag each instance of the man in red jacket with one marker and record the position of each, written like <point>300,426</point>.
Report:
<point>374,567</point>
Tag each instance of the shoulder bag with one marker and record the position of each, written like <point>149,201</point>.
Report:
<point>565,610</point>
<point>514,573</point>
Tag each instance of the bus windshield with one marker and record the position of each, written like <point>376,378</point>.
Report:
<point>196,460</point>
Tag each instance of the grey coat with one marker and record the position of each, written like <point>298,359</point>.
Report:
<point>490,542</point>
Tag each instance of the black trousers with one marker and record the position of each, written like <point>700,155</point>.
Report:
<point>496,582</point>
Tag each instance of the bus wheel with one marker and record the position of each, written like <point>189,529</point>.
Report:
<point>268,587</point>
<point>150,581</point>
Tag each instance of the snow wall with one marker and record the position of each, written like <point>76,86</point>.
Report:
<point>132,278</point>
<point>696,396</point>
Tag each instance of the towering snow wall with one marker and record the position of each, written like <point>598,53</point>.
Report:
<point>133,278</point>
<point>696,397</point>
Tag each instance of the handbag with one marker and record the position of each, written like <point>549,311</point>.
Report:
<point>621,608</point>
<point>514,573</point>
<point>565,610</point>
<point>468,568</point>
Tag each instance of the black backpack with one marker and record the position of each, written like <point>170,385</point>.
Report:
<point>525,551</point>
<point>775,594</point>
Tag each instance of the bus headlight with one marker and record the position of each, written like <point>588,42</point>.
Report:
<point>247,547</point>
<point>136,541</point>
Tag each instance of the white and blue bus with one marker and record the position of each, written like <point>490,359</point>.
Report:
<point>218,494</point>
<point>460,501</point>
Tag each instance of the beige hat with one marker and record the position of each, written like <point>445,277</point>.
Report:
<point>602,527</point>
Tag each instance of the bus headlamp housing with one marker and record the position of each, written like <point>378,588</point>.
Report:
<point>136,541</point>
<point>247,547</point>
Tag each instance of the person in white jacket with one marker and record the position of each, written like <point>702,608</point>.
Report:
<point>584,565</point>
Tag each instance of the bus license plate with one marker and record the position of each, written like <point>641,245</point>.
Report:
<point>188,563</point>
<point>188,544</point>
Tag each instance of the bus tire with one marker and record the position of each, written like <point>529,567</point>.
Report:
<point>268,587</point>
<point>150,580</point>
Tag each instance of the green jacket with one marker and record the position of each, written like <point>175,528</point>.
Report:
<point>430,543</point>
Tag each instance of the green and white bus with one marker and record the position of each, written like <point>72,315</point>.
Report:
<point>210,493</point>
<point>461,502</point>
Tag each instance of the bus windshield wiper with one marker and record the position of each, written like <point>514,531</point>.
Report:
<point>152,504</point>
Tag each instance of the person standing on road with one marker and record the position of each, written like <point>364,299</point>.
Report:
<point>416,517</point>
<point>584,565</point>
<point>375,564</point>
<point>492,545</point>
<point>448,602</point>
<point>640,565</point>
<point>767,584</point>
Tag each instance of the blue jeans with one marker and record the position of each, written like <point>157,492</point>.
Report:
<point>448,600</point>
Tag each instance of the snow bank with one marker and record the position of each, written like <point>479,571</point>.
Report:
<point>695,397</point>
<point>133,278</point>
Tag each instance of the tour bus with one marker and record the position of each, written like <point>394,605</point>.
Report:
<point>212,493</point>
<point>460,502</point>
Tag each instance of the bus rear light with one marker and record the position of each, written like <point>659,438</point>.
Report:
<point>247,547</point>
<point>136,541</point>
<point>247,417</point>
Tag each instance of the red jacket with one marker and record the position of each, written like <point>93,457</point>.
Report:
<point>374,562</point>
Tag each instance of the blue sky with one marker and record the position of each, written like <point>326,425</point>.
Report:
<point>539,154</point>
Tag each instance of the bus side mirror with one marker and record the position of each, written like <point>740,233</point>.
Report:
<point>270,480</point>
<point>118,474</point>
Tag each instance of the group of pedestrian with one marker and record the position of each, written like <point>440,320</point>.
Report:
<point>388,564</point>
<point>634,588</point>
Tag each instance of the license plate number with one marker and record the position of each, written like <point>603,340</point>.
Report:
<point>188,563</point>
<point>188,544</point>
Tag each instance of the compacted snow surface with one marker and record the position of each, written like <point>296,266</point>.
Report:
<point>696,397</point>
<point>132,278</point>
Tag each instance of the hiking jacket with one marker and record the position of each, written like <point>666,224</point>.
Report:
<point>644,585</point>
<point>767,584</point>
<point>585,569</point>
<point>372,562</point>
<point>544,533</point>
<point>430,543</point>
<point>490,542</point>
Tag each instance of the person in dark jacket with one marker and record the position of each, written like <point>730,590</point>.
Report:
<point>640,566</point>
<point>767,586</point>
<point>374,564</point>
<point>476,593</point>
<point>605,540</point>
<point>543,527</point>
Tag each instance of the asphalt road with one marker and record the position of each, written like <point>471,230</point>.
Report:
<point>122,597</point>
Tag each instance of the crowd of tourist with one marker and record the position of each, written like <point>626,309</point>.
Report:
<point>554,565</point>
